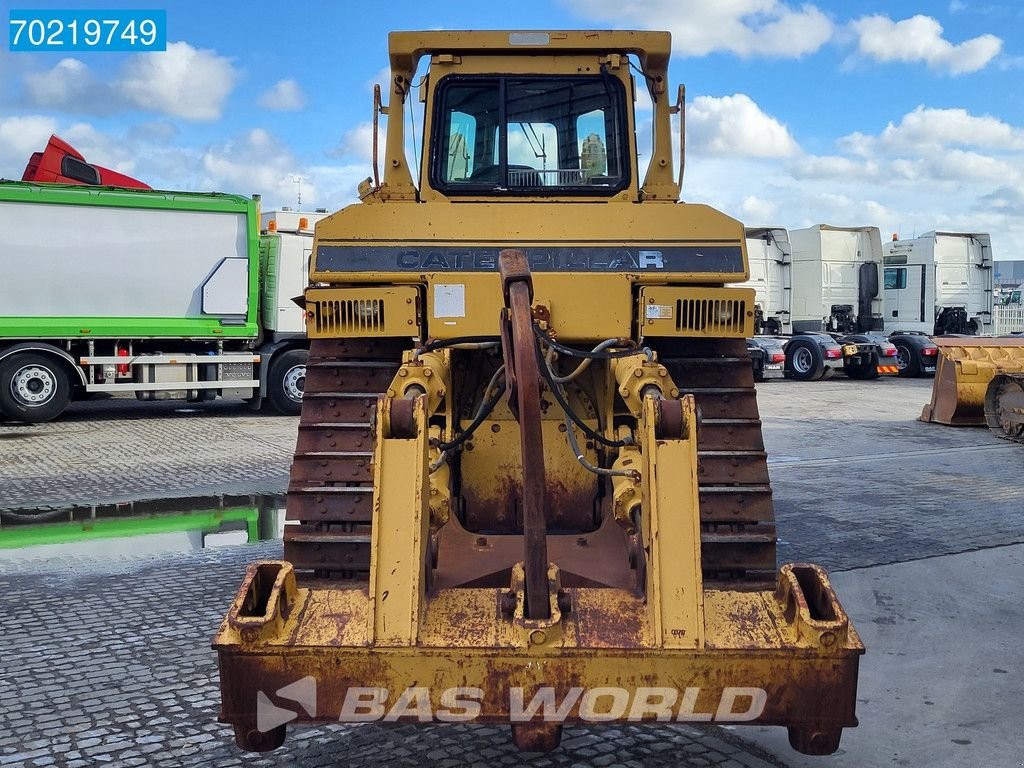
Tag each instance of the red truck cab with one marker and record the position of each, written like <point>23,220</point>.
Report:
<point>60,163</point>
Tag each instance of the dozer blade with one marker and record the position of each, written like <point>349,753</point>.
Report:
<point>1004,406</point>
<point>966,365</point>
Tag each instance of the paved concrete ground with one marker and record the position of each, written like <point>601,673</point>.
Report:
<point>859,481</point>
<point>941,682</point>
<point>109,658</point>
<point>121,449</point>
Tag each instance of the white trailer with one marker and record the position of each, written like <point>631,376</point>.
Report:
<point>286,242</point>
<point>835,279</point>
<point>164,295</point>
<point>939,282</point>
<point>770,257</point>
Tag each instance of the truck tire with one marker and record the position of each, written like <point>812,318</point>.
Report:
<point>907,360</point>
<point>286,381</point>
<point>804,361</point>
<point>33,387</point>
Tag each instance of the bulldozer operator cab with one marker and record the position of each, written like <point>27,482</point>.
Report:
<point>530,136</point>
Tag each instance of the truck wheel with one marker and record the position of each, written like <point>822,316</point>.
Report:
<point>33,388</point>
<point>286,381</point>
<point>906,360</point>
<point>804,361</point>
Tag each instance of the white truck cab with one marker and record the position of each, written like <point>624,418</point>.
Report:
<point>939,282</point>
<point>770,257</point>
<point>836,279</point>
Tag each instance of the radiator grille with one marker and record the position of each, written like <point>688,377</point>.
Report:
<point>690,310</point>
<point>356,317</point>
<point>715,317</point>
<point>352,313</point>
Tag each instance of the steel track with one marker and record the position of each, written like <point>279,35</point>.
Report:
<point>330,493</point>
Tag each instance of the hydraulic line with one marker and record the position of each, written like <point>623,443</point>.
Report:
<point>583,354</point>
<point>430,346</point>
<point>586,362</point>
<point>559,395</point>
<point>571,433</point>
<point>487,405</point>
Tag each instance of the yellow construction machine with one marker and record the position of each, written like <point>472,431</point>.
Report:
<point>979,380</point>
<point>530,485</point>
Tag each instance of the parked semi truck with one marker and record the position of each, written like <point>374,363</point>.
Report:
<point>771,260</point>
<point>835,279</point>
<point>827,336</point>
<point>939,283</point>
<point>167,295</point>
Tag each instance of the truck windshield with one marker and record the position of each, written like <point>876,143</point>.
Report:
<point>530,136</point>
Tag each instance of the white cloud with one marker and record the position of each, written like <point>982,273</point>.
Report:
<point>259,162</point>
<point>919,39</point>
<point>831,167</point>
<point>1003,200</point>
<point>735,125</point>
<point>927,129</point>
<point>283,96</point>
<point>69,85</point>
<point>754,208</point>
<point>643,98</point>
<point>156,131</point>
<point>959,166</point>
<point>19,138</point>
<point>182,81</point>
<point>254,162</point>
<point>927,169</point>
<point>383,79</point>
<point>358,143</point>
<point>744,27</point>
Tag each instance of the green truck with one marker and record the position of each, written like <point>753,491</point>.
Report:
<point>166,295</point>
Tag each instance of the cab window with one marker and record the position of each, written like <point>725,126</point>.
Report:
<point>895,277</point>
<point>530,136</point>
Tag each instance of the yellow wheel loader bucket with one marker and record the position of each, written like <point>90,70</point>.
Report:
<point>965,368</point>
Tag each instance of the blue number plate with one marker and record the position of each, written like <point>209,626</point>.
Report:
<point>76,30</point>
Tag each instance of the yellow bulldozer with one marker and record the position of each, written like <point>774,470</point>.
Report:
<point>530,484</point>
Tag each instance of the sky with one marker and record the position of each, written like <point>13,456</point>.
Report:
<point>904,115</point>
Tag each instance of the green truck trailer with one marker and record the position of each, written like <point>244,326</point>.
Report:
<point>167,295</point>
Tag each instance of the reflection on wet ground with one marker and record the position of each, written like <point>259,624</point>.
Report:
<point>141,527</point>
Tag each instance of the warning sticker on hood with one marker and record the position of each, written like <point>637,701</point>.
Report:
<point>449,300</point>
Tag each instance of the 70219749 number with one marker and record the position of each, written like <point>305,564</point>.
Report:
<point>43,30</point>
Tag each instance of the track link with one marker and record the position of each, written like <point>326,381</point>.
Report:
<point>330,491</point>
<point>736,513</point>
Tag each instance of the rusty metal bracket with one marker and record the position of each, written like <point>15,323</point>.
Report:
<point>523,375</point>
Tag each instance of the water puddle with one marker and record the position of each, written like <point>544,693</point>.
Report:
<point>141,527</point>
